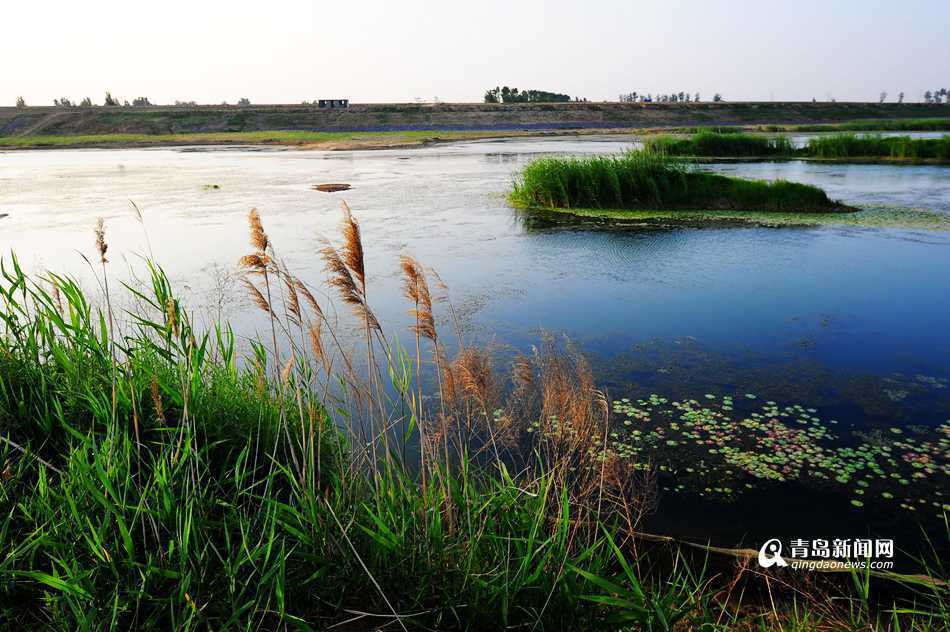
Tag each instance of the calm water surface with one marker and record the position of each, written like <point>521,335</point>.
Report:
<point>852,322</point>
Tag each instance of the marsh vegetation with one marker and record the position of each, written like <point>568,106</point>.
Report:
<point>647,180</point>
<point>837,147</point>
<point>155,478</point>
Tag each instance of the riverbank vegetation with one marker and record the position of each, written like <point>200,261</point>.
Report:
<point>720,143</point>
<point>154,478</point>
<point>930,124</point>
<point>901,148</point>
<point>647,180</point>
<point>306,139</point>
<point>836,147</point>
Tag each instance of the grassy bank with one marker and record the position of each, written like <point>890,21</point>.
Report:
<point>307,139</point>
<point>644,180</point>
<point>842,147</point>
<point>209,124</point>
<point>152,478</point>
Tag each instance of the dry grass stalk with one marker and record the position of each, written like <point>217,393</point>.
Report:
<point>171,316</point>
<point>101,244</point>
<point>316,342</point>
<point>288,368</point>
<point>58,299</point>
<point>157,400</point>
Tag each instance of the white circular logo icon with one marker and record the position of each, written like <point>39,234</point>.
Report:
<point>771,554</point>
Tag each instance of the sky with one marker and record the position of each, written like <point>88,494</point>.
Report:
<point>286,51</point>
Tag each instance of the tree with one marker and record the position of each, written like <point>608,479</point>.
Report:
<point>63,102</point>
<point>928,97</point>
<point>696,98</point>
<point>490,96</point>
<point>110,100</point>
<point>883,96</point>
<point>244,101</point>
<point>141,102</point>
<point>20,102</point>
<point>717,97</point>
<point>86,103</point>
<point>900,97</point>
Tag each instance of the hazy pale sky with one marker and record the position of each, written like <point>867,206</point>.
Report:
<point>285,51</point>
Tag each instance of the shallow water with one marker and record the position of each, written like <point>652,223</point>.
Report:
<point>850,321</point>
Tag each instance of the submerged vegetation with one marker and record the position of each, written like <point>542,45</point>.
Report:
<point>648,180</point>
<point>154,478</point>
<point>867,217</point>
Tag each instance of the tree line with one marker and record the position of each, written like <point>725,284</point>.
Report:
<point>504,94</point>
<point>672,97</point>
<point>111,101</point>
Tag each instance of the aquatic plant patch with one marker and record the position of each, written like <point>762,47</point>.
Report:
<point>695,441</point>
<point>647,180</point>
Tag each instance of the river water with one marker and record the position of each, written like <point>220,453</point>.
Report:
<point>849,322</point>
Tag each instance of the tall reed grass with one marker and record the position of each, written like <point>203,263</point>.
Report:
<point>648,180</point>
<point>719,144</point>
<point>876,146</point>
<point>934,124</point>
<point>153,479</point>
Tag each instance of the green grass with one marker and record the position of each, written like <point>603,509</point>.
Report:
<point>842,147</point>
<point>153,478</point>
<point>717,143</point>
<point>645,180</point>
<point>839,146</point>
<point>287,137</point>
<point>936,124</point>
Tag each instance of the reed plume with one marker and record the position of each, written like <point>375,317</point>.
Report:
<point>101,244</point>
<point>171,314</point>
<point>342,279</point>
<point>416,289</point>
<point>256,295</point>
<point>353,245</point>
<point>308,297</point>
<point>316,341</point>
<point>256,262</point>
<point>288,368</point>
<point>293,300</point>
<point>157,400</point>
<point>258,237</point>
